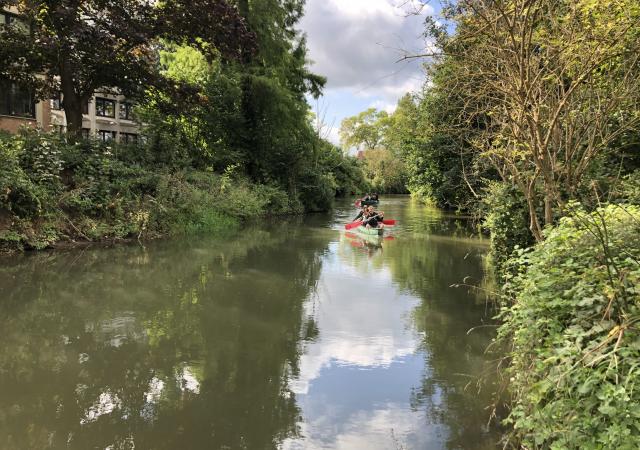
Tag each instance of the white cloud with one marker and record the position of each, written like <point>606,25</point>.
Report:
<point>357,43</point>
<point>357,331</point>
<point>393,426</point>
<point>385,106</point>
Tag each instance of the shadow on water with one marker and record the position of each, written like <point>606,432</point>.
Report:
<point>183,344</point>
<point>293,334</point>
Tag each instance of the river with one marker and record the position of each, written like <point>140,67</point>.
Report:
<point>291,335</point>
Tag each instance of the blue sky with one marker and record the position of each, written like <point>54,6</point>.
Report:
<point>356,44</point>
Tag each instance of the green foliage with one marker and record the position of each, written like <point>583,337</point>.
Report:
<point>18,194</point>
<point>507,219</point>
<point>385,171</point>
<point>53,190</point>
<point>227,139</point>
<point>366,129</point>
<point>346,172</point>
<point>381,139</point>
<point>629,190</point>
<point>441,166</point>
<point>72,48</point>
<point>252,117</point>
<point>573,322</point>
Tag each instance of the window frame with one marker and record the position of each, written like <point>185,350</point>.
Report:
<point>56,102</point>
<point>102,135</point>
<point>101,101</point>
<point>12,90</point>
<point>128,108</point>
<point>129,138</point>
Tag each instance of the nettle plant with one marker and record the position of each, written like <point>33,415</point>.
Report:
<point>573,325</point>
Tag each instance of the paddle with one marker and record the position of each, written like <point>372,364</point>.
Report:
<point>352,225</point>
<point>357,223</point>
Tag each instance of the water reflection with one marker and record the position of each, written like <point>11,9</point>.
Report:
<point>291,335</point>
<point>391,366</point>
<point>180,345</point>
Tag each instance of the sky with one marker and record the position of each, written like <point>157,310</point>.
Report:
<point>356,44</point>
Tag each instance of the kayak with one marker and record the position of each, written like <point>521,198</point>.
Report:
<point>370,231</point>
<point>361,202</point>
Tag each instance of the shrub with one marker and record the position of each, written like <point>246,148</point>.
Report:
<point>51,189</point>
<point>630,188</point>
<point>575,339</point>
<point>507,219</point>
<point>19,195</point>
<point>317,191</point>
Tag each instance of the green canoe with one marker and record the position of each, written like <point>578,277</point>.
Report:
<point>370,231</point>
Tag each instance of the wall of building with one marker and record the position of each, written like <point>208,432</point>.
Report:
<point>47,118</point>
<point>13,124</point>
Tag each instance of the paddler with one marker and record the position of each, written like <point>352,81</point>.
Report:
<point>361,214</point>
<point>373,218</point>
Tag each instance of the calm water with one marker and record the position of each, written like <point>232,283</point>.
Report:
<point>293,336</point>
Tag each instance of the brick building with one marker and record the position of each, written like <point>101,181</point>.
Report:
<point>105,116</point>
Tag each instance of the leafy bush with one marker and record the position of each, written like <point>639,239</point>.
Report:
<point>507,219</point>
<point>51,189</point>
<point>19,195</point>
<point>630,188</point>
<point>317,191</point>
<point>575,338</point>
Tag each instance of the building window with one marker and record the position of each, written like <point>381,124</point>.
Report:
<point>128,138</point>
<point>56,102</point>
<point>85,107</point>
<point>105,107</point>
<point>16,100</point>
<point>86,132</point>
<point>106,136</point>
<point>126,111</point>
<point>7,18</point>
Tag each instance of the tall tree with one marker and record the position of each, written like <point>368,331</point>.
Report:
<point>366,129</point>
<point>553,84</point>
<point>80,46</point>
<point>277,140</point>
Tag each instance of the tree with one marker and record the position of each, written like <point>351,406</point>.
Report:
<point>80,46</point>
<point>381,136</point>
<point>365,129</point>
<point>385,172</point>
<point>547,87</point>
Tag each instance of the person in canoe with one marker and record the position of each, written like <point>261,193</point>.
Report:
<point>360,214</point>
<point>373,218</point>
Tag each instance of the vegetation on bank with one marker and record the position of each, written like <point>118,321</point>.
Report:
<point>226,124</point>
<point>52,190</point>
<point>572,325</point>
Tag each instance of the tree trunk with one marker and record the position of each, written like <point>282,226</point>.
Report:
<point>534,223</point>
<point>72,103</point>
<point>548,208</point>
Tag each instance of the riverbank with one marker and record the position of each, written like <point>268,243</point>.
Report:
<point>142,206</point>
<point>57,193</point>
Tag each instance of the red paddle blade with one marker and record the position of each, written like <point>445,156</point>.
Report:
<point>351,225</point>
<point>389,222</point>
